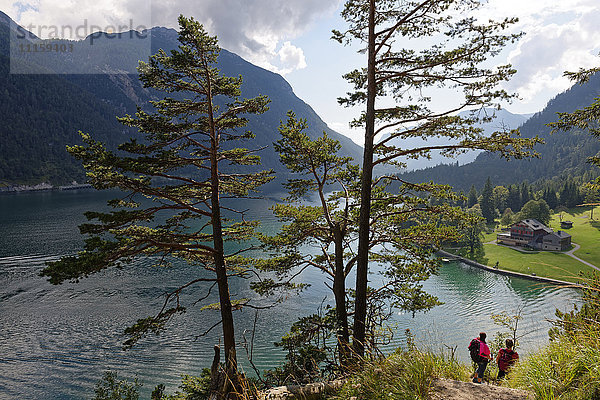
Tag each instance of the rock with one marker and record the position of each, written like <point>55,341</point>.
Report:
<point>297,392</point>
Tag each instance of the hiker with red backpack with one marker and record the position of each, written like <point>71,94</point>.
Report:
<point>506,358</point>
<point>480,354</point>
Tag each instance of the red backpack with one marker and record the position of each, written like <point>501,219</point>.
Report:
<point>506,358</point>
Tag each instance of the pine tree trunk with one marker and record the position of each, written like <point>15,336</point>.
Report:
<point>231,381</point>
<point>219,256</point>
<point>339,291</point>
<point>362,266</point>
<point>223,286</point>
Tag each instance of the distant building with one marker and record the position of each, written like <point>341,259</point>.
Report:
<point>566,224</point>
<point>532,233</point>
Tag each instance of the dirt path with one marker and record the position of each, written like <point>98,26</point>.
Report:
<point>444,389</point>
<point>574,249</point>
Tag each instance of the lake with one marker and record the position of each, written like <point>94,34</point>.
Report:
<point>56,341</point>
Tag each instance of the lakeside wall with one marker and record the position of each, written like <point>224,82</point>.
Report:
<point>505,272</point>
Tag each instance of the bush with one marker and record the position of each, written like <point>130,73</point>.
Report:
<point>563,370</point>
<point>405,375</point>
<point>109,388</point>
<point>310,351</point>
<point>569,367</point>
<point>193,387</point>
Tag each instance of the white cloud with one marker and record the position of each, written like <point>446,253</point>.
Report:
<point>291,58</point>
<point>256,30</point>
<point>559,36</point>
<point>261,31</point>
<point>72,19</point>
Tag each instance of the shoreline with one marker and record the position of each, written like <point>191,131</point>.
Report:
<point>506,272</point>
<point>42,187</point>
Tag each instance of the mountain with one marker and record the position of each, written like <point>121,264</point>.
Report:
<point>40,115</point>
<point>42,111</point>
<point>563,155</point>
<point>501,119</point>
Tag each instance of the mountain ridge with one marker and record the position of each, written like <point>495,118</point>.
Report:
<point>28,159</point>
<point>502,119</point>
<point>563,155</point>
<point>44,112</point>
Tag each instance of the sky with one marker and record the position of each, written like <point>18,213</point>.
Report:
<point>292,37</point>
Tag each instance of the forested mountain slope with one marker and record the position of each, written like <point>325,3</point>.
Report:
<point>563,154</point>
<point>501,119</point>
<point>42,113</point>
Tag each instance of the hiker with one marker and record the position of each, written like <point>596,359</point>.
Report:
<point>506,358</point>
<point>480,354</point>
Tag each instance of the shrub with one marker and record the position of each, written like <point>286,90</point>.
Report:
<point>405,375</point>
<point>569,367</point>
<point>110,388</point>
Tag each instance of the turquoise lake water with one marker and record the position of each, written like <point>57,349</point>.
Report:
<point>56,341</point>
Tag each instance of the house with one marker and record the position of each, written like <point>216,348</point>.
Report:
<point>566,224</point>
<point>556,241</point>
<point>532,233</point>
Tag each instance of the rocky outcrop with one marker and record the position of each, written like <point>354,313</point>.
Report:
<point>312,391</point>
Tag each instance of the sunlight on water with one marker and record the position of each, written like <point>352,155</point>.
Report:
<point>57,340</point>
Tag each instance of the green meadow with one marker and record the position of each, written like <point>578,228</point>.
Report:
<point>585,232</point>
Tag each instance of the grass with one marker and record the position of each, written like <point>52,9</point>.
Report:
<point>542,263</point>
<point>406,375</point>
<point>567,368</point>
<point>585,232</point>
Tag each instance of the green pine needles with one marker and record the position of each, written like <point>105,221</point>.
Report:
<point>186,165</point>
<point>408,222</point>
<point>415,49</point>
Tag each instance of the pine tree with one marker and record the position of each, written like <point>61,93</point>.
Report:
<point>186,168</point>
<point>550,198</point>
<point>406,74</point>
<point>569,194</point>
<point>525,193</point>
<point>327,227</point>
<point>500,196</point>
<point>487,204</point>
<point>514,198</point>
<point>405,229</point>
<point>472,197</point>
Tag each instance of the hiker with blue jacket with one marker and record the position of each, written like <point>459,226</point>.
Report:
<point>480,354</point>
